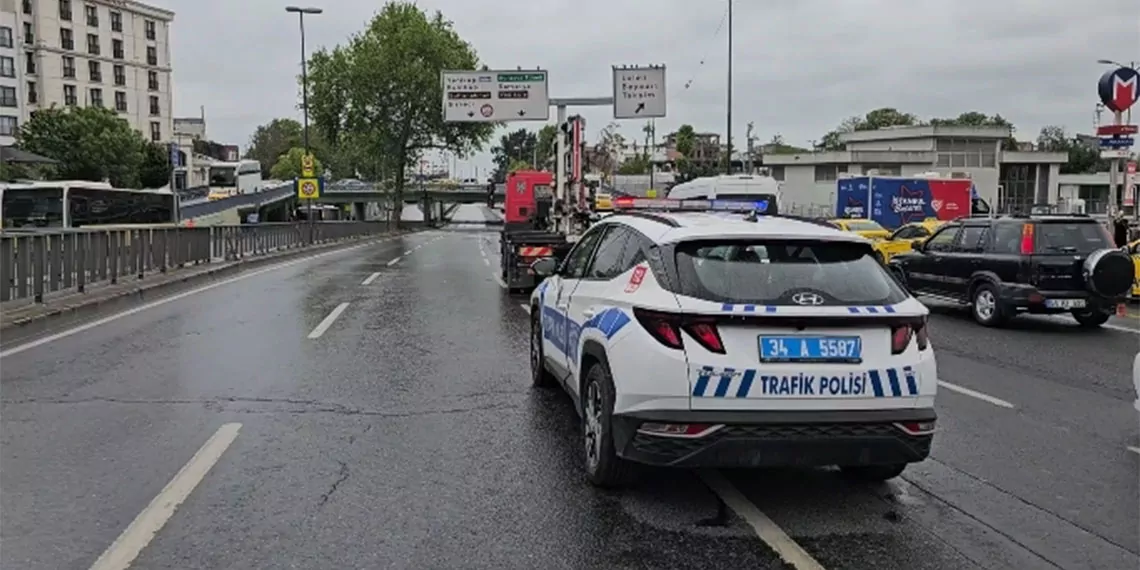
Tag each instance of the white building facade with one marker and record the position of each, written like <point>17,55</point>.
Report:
<point>12,105</point>
<point>1008,180</point>
<point>109,53</point>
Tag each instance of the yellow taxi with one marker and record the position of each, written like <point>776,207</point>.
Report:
<point>906,237</point>
<point>603,202</point>
<point>869,229</point>
<point>1134,249</point>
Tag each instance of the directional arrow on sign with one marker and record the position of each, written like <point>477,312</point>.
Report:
<point>470,113</point>
<point>640,108</point>
<point>521,112</point>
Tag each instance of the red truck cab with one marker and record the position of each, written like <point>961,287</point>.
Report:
<point>524,189</point>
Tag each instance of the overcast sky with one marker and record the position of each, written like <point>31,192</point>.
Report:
<point>800,66</point>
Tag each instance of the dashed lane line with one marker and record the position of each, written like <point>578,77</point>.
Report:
<point>328,321</point>
<point>975,394</point>
<point>178,297</point>
<point>768,531</point>
<point>525,307</point>
<point>409,252</point>
<point>368,280</point>
<point>498,279</point>
<point>146,525</point>
<point>395,261</point>
<point>1134,449</point>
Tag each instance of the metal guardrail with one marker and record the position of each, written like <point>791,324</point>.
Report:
<point>33,264</point>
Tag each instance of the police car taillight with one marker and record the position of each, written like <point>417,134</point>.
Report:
<point>922,336</point>
<point>678,430</point>
<point>706,334</point>
<point>661,326</point>
<point>916,428</point>
<point>900,338</point>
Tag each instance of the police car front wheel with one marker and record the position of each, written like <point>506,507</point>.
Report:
<point>540,376</point>
<point>603,466</point>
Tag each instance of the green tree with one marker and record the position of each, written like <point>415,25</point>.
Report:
<point>977,119</point>
<point>547,146</point>
<point>685,140</point>
<point>273,139</point>
<point>1084,158</point>
<point>288,166</point>
<point>876,119</point>
<point>778,146</point>
<point>90,143</point>
<point>635,165</point>
<point>517,165</point>
<point>381,92</point>
<point>154,171</point>
<point>515,146</point>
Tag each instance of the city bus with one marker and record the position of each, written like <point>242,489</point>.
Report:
<point>75,204</point>
<point>233,178</point>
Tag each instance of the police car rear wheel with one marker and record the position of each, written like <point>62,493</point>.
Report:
<point>873,473</point>
<point>603,467</point>
<point>540,376</point>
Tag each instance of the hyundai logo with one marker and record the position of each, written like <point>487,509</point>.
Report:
<point>807,299</point>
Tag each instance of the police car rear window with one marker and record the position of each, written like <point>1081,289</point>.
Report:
<point>771,272</point>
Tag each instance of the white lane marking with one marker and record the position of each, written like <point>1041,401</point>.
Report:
<point>772,535</point>
<point>370,278</point>
<point>486,262</point>
<point>395,261</point>
<point>409,252</point>
<point>499,280</point>
<point>975,394</point>
<point>328,322</point>
<point>1134,449</point>
<point>525,307</point>
<point>146,525</point>
<point>1122,329</point>
<point>110,318</point>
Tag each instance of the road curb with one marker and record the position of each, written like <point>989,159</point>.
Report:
<point>70,309</point>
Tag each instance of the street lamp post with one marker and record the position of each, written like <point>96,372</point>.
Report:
<point>300,11</point>
<point>728,113</point>
<point>1115,165</point>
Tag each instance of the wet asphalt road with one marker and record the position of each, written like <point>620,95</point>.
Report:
<point>407,436</point>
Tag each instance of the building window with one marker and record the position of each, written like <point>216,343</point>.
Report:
<point>6,37</point>
<point>27,6</point>
<point>117,49</point>
<point>95,71</point>
<point>151,30</point>
<point>120,75</point>
<point>966,153</point>
<point>829,172</point>
<point>65,10</point>
<point>33,96</point>
<point>69,67</point>
<point>116,21</point>
<point>69,97</point>
<point>777,173</point>
<point>8,126</point>
<point>152,80</point>
<point>155,131</point>
<point>154,108</point>
<point>66,39</point>
<point>30,63</point>
<point>92,44</point>
<point>29,35</point>
<point>121,101</point>
<point>92,15</point>
<point>151,55</point>
<point>7,66</point>
<point>7,96</point>
<point>96,97</point>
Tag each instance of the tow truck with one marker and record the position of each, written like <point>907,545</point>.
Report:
<point>544,214</point>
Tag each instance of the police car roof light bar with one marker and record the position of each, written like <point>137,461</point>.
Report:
<point>665,204</point>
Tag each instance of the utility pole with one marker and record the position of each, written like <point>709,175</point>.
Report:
<point>728,113</point>
<point>305,97</point>
<point>749,138</point>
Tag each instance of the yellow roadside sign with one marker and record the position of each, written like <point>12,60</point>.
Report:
<point>308,188</point>
<point>651,193</point>
<point>308,166</point>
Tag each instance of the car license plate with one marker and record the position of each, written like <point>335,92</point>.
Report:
<point>811,349</point>
<point>1065,303</point>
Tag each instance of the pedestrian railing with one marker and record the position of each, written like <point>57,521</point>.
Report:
<point>35,263</point>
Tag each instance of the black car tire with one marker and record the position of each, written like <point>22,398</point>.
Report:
<point>872,473</point>
<point>539,375</point>
<point>1091,318</point>
<point>987,307</point>
<point>603,466</point>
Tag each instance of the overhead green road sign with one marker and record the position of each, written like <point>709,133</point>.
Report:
<point>521,77</point>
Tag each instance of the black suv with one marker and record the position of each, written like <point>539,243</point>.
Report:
<point>1042,264</point>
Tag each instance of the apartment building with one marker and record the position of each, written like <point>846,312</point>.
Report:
<point>11,104</point>
<point>107,53</point>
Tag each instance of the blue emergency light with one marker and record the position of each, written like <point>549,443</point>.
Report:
<point>665,204</point>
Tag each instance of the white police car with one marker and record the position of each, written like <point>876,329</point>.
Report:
<point>715,339</point>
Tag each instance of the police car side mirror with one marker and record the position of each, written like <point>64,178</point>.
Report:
<point>545,267</point>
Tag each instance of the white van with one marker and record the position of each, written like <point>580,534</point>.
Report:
<point>742,187</point>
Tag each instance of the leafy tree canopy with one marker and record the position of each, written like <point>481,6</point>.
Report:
<point>288,165</point>
<point>273,139</point>
<point>514,147</point>
<point>91,143</point>
<point>377,97</point>
<point>891,117</point>
<point>1084,157</point>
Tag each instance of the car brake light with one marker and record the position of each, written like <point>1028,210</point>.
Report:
<point>916,428</point>
<point>661,326</point>
<point>678,430</point>
<point>922,336</point>
<point>707,335</point>
<point>1027,239</point>
<point>900,338</point>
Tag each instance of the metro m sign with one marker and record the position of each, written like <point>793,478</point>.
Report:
<point>1119,88</point>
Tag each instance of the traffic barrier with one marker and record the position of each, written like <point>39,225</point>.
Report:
<point>536,251</point>
<point>35,263</point>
